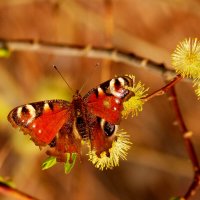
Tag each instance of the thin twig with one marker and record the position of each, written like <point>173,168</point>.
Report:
<point>112,54</point>
<point>14,193</point>
<point>186,134</point>
<point>164,89</point>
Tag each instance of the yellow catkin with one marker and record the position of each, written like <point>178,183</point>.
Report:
<point>118,151</point>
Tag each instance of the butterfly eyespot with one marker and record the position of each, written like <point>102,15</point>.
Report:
<point>117,88</point>
<point>108,128</point>
<point>25,114</point>
<point>25,110</point>
<point>121,81</point>
<point>29,109</point>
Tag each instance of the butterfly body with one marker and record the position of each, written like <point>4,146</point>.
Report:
<point>81,116</point>
<point>63,125</point>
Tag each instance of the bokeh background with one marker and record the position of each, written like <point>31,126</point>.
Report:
<point>158,166</point>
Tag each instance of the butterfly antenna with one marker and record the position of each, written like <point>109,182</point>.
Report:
<point>63,78</point>
<point>90,75</point>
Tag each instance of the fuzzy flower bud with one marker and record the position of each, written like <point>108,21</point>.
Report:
<point>186,61</point>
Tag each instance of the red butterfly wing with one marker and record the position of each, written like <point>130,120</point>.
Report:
<point>65,142</point>
<point>102,135</point>
<point>41,120</point>
<point>106,101</point>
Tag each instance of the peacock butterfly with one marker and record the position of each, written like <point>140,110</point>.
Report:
<point>63,125</point>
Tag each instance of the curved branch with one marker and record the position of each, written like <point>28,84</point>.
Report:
<point>186,135</point>
<point>164,89</point>
<point>89,51</point>
<point>14,193</point>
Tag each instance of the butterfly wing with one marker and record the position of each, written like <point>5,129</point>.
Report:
<point>106,103</point>
<point>106,100</point>
<point>41,120</point>
<point>102,135</point>
<point>66,141</point>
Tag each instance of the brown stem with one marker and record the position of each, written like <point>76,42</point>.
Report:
<point>14,193</point>
<point>102,52</point>
<point>164,89</point>
<point>186,134</point>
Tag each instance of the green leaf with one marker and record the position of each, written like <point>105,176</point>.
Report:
<point>4,53</point>
<point>49,162</point>
<point>69,164</point>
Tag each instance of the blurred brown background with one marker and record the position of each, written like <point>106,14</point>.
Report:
<point>158,166</point>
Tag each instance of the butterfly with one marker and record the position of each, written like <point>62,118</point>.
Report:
<point>64,125</point>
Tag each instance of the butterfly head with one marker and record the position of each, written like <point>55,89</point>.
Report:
<point>77,95</point>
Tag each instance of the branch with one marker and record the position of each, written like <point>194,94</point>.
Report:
<point>164,89</point>
<point>14,193</point>
<point>89,51</point>
<point>186,134</point>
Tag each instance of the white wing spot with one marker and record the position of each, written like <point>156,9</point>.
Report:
<point>112,84</point>
<point>46,106</point>
<point>32,113</point>
<point>100,91</point>
<point>115,108</point>
<point>113,89</point>
<point>40,131</point>
<point>33,126</point>
<point>121,80</point>
<point>117,101</point>
<point>19,112</point>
